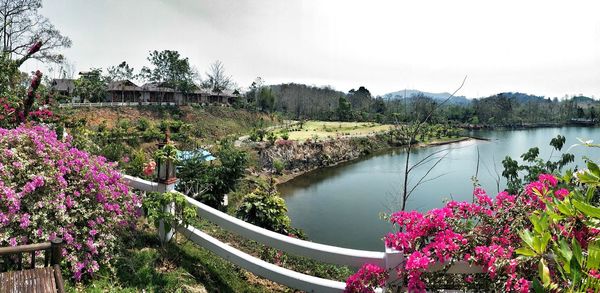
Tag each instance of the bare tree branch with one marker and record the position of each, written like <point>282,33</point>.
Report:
<point>411,138</point>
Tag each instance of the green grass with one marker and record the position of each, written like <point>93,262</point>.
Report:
<point>182,266</point>
<point>178,267</point>
<point>327,129</point>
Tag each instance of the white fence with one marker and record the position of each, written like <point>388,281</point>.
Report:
<point>325,253</point>
<point>114,104</point>
<point>134,104</point>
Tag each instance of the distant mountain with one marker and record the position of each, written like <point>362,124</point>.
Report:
<point>583,99</point>
<point>522,97</point>
<point>456,100</point>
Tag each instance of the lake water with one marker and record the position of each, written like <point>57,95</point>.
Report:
<point>342,205</point>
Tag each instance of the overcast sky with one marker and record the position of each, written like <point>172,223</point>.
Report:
<point>545,47</point>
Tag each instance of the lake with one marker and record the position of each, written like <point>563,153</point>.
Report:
<point>342,205</point>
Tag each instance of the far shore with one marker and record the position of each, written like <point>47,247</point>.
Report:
<point>289,176</point>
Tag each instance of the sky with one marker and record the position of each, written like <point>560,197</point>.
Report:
<point>549,48</point>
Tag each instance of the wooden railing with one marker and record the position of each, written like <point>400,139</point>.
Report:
<point>388,259</point>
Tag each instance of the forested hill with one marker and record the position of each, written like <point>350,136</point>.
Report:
<point>302,100</point>
<point>299,101</point>
<point>410,94</point>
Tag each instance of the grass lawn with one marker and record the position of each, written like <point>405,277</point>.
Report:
<point>327,129</point>
<point>178,267</point>
<point>182,266</point>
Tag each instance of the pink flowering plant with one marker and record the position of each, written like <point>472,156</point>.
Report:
<point>483,233</point>
<point>367,279</point>
<point>545,239</point>
<point>49,189</point>
<point>564,239</point>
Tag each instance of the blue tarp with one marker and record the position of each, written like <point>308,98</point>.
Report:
<point>201,153</point>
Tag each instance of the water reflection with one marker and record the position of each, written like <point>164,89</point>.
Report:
<point>341,205</point>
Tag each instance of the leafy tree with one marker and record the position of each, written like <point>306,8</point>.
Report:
<point>534,165</point>
<point>21,25</point>
<point>378,106</point>
<point>253,91</point>
<point>266,99</point>
<point>171,69</point>
<point>120,72</point>
<point>216,78</point>
<point>91,86</point>
<point>210,183</point>
<point>360,99</point>
<point>344,110</point>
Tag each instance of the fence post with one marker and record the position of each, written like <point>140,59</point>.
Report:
<point>56,251</point>
<point>393,258</point>
<point>164,235</point>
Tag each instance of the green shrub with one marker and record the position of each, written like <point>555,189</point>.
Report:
<point>265,208</point>
<point>271,137</point>
<point>143,124</point>
<point>253,135</point>
<point>278,166</point>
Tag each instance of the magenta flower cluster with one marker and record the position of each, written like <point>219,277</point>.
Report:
<point>367,279</point>
<point>49,189</point>
<point>482,233</point>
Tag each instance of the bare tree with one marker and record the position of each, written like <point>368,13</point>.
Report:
<point>411,133</point>
<point>216,78</point>
<point>21,25</point>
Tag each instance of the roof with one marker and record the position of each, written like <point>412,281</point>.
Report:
<point>225,93</point>
<point>162,87</point>
<point>157,87</point>
<point>62,84</point>
<point>200,153</point>
<point>122,85</point>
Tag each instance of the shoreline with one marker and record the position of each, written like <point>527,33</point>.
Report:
<point>281,179</point>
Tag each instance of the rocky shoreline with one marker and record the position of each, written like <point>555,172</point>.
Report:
<point>301,158</point>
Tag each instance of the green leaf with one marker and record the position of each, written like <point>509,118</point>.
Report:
<point>588,178</point>
<point>565,253</point>
<point>587,209</point>
<point>555,217</point>
<point>593,167</point>
<point>593,259</point>
<point>564,209</point>
<point>525,251</point>
<point>540,222</point>
<point>590,193</point>
<point>575,272</point>
<point>577,253</point>
<point>544,242</point>
<point>527,238</point>
<point>544,273</point>
<point>537,287</point>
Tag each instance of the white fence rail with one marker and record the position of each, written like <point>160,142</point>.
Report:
<point>114,104</point>
<point>259,267</point>
<point>325,253</point>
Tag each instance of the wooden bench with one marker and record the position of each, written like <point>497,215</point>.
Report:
<point>17,277</point>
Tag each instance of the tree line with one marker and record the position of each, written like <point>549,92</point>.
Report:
<point>299,101</point>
